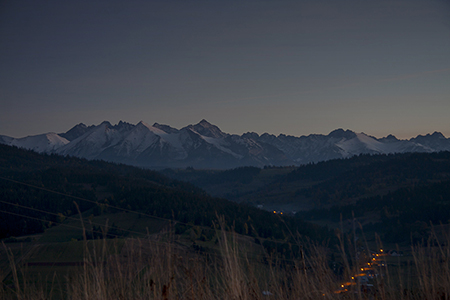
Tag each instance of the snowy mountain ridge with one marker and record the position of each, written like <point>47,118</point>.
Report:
<point>204,145</point>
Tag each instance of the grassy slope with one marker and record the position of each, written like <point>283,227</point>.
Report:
<point>60,247</point>
<point>56,246</point>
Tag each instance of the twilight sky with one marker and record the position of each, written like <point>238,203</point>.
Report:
<point>295,67</point>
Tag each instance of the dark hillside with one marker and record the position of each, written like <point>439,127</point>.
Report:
<point>50,183</point>
<point>322,185</point>
<point>343,181</point>
<point>405,215</point>
<point>398,196</point>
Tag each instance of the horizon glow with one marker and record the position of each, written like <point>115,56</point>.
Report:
<point>296,68</point>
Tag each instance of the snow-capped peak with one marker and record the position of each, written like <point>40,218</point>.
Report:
<point>205,145</point>
<point>165,128</point>
<point>43,143</point>
<point>207,129</point>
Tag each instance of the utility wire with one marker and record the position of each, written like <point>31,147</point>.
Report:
<point>43,220</point>
<point>257,257</point>
<point>111,206</point>
<point>87,200</point>
<point>65,217</point>
<point>76,227</point>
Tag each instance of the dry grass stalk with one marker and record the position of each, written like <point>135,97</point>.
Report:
<point>160,268</point>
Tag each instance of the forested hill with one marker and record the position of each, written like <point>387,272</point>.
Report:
<point>338,182</point>
<point>38,191</point>
<point>398,195</point>
<point>324,184</point>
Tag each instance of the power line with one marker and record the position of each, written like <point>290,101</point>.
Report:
<point>255,254</point>
<point>42,220</point>
<point>81,227</point>
<point>90,201</point>
<point>111,206</point>
<point>65,217</point>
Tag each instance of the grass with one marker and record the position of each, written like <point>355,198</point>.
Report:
<point>132,224</point>
<point>161,266</point>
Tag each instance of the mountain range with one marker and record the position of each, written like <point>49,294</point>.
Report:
<point>204,145</point>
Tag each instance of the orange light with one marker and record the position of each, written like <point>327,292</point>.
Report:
<point>381,250</point>
<point>281,213</point>
<point>274,212</point>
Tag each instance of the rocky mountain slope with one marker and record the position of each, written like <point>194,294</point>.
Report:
<point>204,145</point>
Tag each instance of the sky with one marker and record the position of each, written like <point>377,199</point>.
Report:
<point>294,67</point>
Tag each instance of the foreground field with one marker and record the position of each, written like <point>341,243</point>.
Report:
<point>77,229</point>
<point>165,266</point>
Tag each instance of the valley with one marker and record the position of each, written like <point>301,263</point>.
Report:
<point>64,218</point>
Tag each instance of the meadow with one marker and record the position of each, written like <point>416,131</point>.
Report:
<point>230,266</point>
<point>78,229</point>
